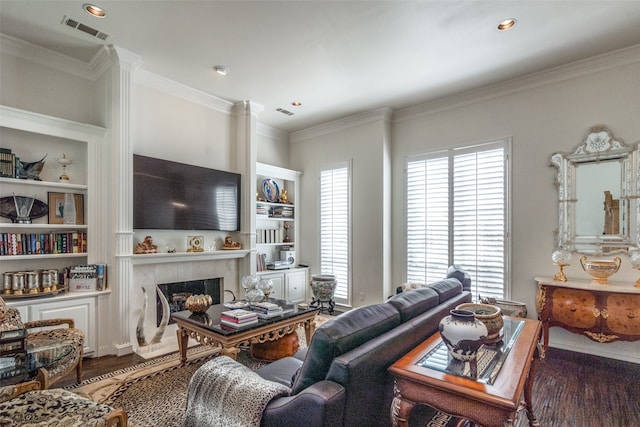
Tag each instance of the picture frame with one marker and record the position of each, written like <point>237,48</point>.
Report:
<point>56,203</point>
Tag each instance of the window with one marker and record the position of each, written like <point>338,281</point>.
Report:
<point>457,214</point>
<point>335,201</point>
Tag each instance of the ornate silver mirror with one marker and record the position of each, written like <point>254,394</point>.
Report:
<point>597,184</point>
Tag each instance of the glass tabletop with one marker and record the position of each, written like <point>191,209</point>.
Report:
<point>23,365</point>
<point>211,319</point>
<point>490,358</point>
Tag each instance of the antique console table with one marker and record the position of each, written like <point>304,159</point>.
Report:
<point>603,313</point>
<point>492,400</point>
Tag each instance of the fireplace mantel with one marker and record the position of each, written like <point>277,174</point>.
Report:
<point>160,258</point>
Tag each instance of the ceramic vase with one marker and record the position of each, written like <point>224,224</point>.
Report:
<point>463,335</point>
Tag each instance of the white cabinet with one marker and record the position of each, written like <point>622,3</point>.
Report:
<point>276,218</point>
<point>77,306</point>
<point>290,284</point>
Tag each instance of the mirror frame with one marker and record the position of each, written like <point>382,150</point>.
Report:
<point>599,144</point>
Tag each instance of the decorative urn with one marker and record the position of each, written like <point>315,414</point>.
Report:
<point>600,270</point>
<point>490,315</point>
<point>198,304</point>
<point>463,335</point>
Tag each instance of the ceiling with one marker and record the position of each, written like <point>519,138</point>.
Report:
<point>336,57</point>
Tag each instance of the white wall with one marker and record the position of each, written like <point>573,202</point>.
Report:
<point>543,113</point>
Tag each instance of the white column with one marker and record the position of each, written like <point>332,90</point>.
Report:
<point>246,117</point>
<point>122,197</point>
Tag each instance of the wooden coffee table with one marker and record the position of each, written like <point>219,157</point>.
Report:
<point>206,328</point>
<point>492,400</point>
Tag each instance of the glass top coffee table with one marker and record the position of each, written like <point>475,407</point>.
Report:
<point>206,328</point>
<point>25,365</point>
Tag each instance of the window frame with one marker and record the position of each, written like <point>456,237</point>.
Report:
<point>506,144</point>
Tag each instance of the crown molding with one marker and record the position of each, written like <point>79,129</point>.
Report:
<point>91,70</point>
<point>272,133</point>
<point>155,81</point>
<point>596,64</point>
<point>381,114</point>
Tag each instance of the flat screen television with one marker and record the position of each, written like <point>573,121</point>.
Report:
<point>176,196</point>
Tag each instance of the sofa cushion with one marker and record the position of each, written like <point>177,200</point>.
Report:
<point>281,371</point>
<point>456,272</point>
<point>414,302</point>
<point>341,334</point>
<point>446,288</point>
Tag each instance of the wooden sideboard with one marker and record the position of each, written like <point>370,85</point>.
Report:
<point>603,313</point>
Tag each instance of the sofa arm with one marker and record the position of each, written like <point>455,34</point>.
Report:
<point>321,404</point>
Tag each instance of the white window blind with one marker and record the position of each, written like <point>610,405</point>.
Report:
<point>456,214</point>
<point>335,228</point>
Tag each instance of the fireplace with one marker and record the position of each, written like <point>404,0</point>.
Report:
<point>177,293</point>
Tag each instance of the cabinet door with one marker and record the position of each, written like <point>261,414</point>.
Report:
<point>295,285</point>
<point>622,315</point>
<point>278,284</point>
<point>574,308</point>
<point>81,310</point>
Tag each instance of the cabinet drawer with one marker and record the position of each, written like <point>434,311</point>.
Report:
<point>574,308</point>
<point>623,314</point>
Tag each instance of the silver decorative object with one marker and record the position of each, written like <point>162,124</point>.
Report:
<point>24,204</point>
<point>64,162</point>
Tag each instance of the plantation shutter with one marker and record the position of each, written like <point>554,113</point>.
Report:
<point>456,214</point>
<point>334,228</point>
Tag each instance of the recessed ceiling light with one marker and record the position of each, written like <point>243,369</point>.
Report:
<point>507,24</point>
<point>296,104</point>
<point>221,69</point>
<point>94,10</point>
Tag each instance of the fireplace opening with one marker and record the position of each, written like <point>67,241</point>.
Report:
<point>177,293</point>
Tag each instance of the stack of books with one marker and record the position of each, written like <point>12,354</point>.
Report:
<point>266,310</point>
<point>238,318</point>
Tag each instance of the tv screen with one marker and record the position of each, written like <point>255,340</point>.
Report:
<point>176,196</point>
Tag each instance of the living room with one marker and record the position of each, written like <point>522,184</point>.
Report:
<point>145,113</point>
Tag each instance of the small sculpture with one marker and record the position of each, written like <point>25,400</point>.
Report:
<point>230,244</point>
<point>29,170</point>
<point>64,162</point>
<point>284,196</point>
<point>146,246</point>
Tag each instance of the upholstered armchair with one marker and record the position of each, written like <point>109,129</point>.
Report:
<point>26,404</point>
<point>44,338</point>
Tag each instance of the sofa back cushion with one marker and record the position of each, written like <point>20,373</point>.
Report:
<point>341,334</point>
<point>446,289</point>
<point>414,302</point>
<point>456,272</point>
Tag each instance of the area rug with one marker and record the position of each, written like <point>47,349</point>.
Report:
<point>154,393</point>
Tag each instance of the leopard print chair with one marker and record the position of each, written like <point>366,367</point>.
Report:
<point>26,405</point>
<point>41,335</point>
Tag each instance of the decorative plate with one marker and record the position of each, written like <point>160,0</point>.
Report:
<point>8,208</point>
<point>235,305</point>
<point>271,190</point>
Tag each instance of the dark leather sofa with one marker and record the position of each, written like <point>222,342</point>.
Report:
<point>342,378</point>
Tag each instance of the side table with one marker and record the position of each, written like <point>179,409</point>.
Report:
<point>492,400</point>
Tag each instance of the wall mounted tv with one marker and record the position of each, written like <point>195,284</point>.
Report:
<point>176,196</point>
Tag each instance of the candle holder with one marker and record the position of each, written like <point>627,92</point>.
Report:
<point>24,204</point>
<point>64,162</point>
<point>562,258</point>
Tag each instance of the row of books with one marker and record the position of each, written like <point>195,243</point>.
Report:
<point>238,318</point>
<point>267,310</point>
<point>43,243</point>
<point>7,163</point>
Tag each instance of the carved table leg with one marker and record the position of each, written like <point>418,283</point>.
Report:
<point>183,341</point>
<point>528,387</point>
<point>400,410</point>
<point>309,328</point>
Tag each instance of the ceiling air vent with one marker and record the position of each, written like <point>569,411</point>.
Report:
<point>72,23</point>
<point>283,111</point>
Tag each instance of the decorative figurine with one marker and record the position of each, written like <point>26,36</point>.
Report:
<point>64,162</point>
<point>26,170</point>
<point>146,246</point>
<point>284,196</point>
<point>230,244</point>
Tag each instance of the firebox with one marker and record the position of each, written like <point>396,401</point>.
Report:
<point>177,293</point>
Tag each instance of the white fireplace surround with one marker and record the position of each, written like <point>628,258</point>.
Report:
<point>148,275</point>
